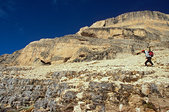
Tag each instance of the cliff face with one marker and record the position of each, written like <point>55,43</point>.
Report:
<point>126,33</point>
<point>60,50</point>
<point>133,17</point>
<point>155,25</point>
<point>70,49</point>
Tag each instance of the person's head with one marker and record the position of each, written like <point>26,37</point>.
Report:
<point>143,51</point>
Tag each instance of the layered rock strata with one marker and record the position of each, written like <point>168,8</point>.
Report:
<point>125,33</point>
<point>122,84</point>
<point>114,92</point>
<point>71,49</point>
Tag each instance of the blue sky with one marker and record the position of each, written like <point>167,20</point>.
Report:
<point>24,21</point>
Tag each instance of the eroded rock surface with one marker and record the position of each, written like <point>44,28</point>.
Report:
<point>105,85</point>
<point>125,33</point>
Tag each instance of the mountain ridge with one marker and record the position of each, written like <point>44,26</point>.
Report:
<point>155,15</point>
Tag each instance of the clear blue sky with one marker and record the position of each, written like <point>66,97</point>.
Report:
<point>24,21</point>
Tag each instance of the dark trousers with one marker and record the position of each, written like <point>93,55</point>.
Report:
<point>149,60</point>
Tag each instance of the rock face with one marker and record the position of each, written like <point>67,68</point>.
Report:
<point>65,49</point>
<point>150,24</point>
<point>125,33</point>
<point>70,49</point>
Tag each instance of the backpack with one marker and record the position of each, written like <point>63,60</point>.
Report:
<point>151,53</point>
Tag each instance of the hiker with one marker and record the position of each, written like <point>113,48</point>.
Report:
<point>149,54</point>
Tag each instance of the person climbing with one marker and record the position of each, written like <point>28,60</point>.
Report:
<point>149,54</point>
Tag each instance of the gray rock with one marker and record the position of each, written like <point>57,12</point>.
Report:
<point>38,87</point>
<point>37,94</point>
<point>53,106</point>
<point>1,75</point>
<point>12,99</point>
<point>27,94</point>
<point>98,98</point>
<point>2,94</point>
<point>154,88</point>
<point>41,103</point>
<point>51,93</point>
<point>69,96</point>
<point>145,89</point>
<point>63,86</point>
<point>104,86</point>
<point>29,87</point>
<point>58,75</point>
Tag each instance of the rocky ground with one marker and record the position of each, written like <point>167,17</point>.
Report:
<point>122,84</point>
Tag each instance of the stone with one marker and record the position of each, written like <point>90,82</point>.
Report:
<point>79,95</point>
<point>135,101</point>
<point>58,75</point>
<point>69,96</point>
<point>41,103</point>
<point>154,88</point>
<point>145,89</point>
<point>77,108</point>
<point>52,105</point>
<point>51,93</point>
<point>1,75</point>
<point>2,92</point>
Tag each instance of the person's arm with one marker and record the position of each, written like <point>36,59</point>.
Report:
<point>138,53</point>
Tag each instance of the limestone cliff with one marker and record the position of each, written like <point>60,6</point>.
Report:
<point>102,40</point>
<point>151,24</point>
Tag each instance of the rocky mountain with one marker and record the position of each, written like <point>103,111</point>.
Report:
<point>102,40</point>
<point>94,70</point>
<point>150,24</point>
